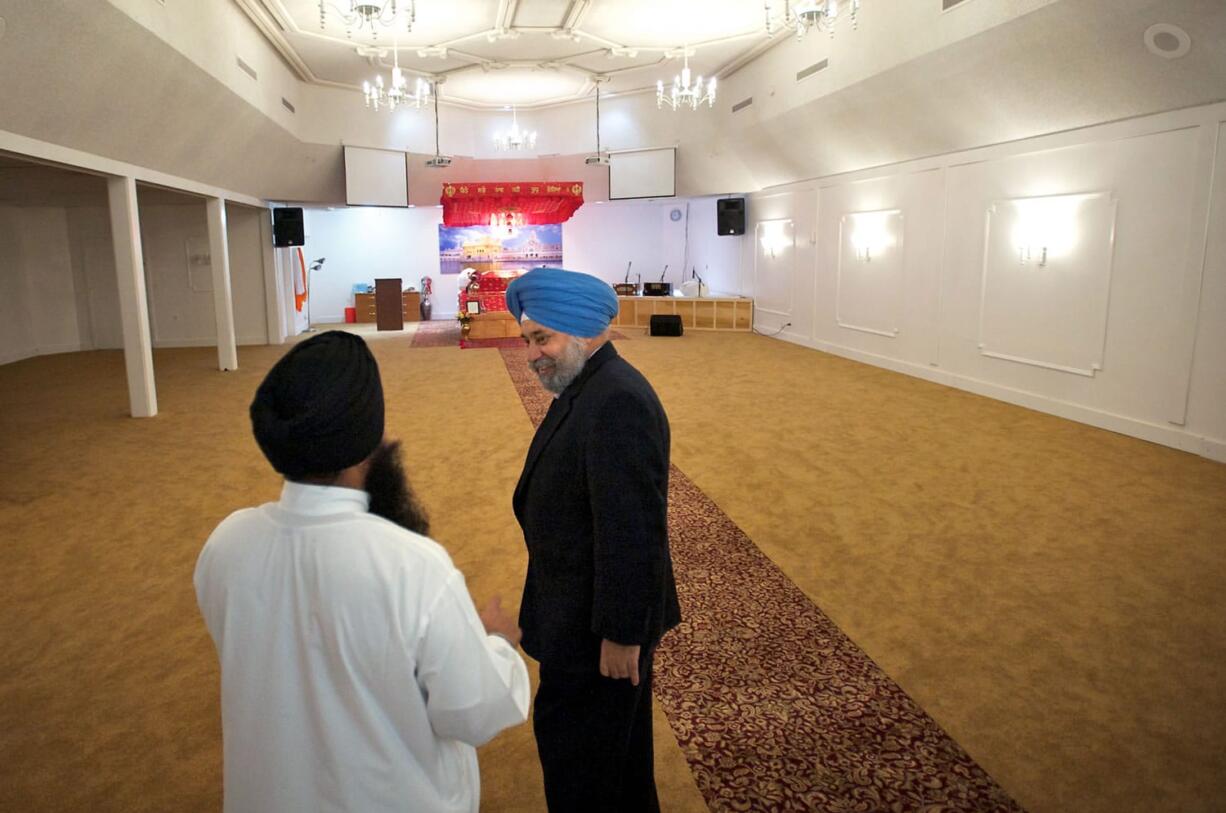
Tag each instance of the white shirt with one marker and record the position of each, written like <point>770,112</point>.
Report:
<point>355,672</point>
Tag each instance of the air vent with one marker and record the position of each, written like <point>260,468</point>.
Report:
<point>285,103</point>
<point>812,69</point>
<point>741,105</point>
<point>946,5</point>
<point>247,69</point>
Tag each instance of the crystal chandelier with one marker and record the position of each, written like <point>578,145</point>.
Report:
<point>515,139</point>
<point>372,14</point>
<point>683,93</point>
<point>377,94</point>
<point>807,15</point>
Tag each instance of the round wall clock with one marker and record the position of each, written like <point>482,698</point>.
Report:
<point>674,215</point>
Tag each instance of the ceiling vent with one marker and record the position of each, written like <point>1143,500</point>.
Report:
<point>741,105</point>
<point>247,69</point>
<point>285,103</point>
<point>812,69</point>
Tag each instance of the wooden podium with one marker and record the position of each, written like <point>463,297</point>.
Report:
<point>389,307</point>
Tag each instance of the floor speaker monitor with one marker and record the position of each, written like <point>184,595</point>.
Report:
<point>730,216</point>
<point>665,324</point>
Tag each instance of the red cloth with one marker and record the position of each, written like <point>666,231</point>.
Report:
<point>538,202</point>
<point>490,292</point>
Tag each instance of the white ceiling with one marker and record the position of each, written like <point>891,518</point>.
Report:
<point>532,53</point>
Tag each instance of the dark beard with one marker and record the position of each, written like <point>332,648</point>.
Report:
<point>390,494</point>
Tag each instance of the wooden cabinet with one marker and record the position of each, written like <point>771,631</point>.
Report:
<point>389,304</point>
<point>705,313</point>
<point>410,306</point>
<point>364,304</point>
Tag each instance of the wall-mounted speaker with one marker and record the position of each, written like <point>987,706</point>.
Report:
<point>287,228</point>
<point>730,216</point>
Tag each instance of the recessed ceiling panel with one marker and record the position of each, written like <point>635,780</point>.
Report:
<point>541,13</point>
<point>670,23</point>
<point>517,86</point>
<point>604,38</point>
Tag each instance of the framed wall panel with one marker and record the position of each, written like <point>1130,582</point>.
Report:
<point>1047,281</point>
<point>774,266</point>
<point>869,277</point>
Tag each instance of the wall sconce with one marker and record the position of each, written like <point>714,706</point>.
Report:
<point>775,236</point>
<point>871,235</point>
<point>1045,228</point>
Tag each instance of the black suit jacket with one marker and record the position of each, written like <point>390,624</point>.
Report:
<point>593,504</point>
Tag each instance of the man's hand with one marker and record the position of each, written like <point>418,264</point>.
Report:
<point>497,622</point>
<point>619,661</point>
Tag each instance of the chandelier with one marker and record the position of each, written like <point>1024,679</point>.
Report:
<point>506,224</point>
<point>683,93</point>
<point>808,15</point>
<point>515,139</point>
<point>377,94</point>
<point>373,14</point>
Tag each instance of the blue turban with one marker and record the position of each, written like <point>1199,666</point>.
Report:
<point>565,301</point>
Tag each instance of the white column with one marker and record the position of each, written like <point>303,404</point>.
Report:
<point>223,300</point>
<point>133,302</point>
<point>275,301</point>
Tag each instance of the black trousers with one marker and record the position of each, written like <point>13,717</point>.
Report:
<point>594,738</point>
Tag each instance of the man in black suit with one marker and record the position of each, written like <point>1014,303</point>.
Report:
<point>592,502</point>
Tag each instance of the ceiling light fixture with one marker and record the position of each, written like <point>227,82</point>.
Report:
<point>803,16</point>
<point>683,93</point>
<point>377,94</point>
<point>372,14</point>
<point>515,139</point>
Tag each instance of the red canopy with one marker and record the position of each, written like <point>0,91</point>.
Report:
<point>538,202</point>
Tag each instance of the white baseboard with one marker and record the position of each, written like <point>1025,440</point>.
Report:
<point>18,355</point>
<point>1133,427</point>
<point>43,350</point>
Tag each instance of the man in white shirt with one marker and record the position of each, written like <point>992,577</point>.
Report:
<point>356,674</point>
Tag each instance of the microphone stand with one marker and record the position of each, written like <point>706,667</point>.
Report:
<point>315,266</point>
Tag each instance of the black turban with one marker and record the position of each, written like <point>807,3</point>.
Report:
<point>320,409</point>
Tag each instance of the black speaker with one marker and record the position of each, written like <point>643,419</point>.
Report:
<point>730,216</point>
<point>665,324</point>
<point>287,227</point>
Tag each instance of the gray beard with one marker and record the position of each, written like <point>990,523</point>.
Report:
<point>566,367</point>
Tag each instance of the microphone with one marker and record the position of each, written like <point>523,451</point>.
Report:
<point>665,271</point>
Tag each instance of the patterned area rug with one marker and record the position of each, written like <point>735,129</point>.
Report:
<point>775,708</point>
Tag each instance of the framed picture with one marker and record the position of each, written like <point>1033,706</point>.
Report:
<point>472,306</point>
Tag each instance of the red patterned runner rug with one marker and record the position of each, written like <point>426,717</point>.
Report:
<point>775,708</point>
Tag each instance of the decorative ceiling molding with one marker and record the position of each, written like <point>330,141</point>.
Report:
<point>281,27</point>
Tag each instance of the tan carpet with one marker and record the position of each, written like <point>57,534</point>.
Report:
<point>1049,593</point>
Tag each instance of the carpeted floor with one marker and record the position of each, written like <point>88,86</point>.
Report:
<point>1047,594</point>
<point>776,709</point>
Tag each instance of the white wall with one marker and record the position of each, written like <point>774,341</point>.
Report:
<point>16,336</point>
<point>38,286</point>
<point>362,244</point>
<point>93,260</point>
<point>58,291</point>
<point>1163,349</point>
<point>178,269</point>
